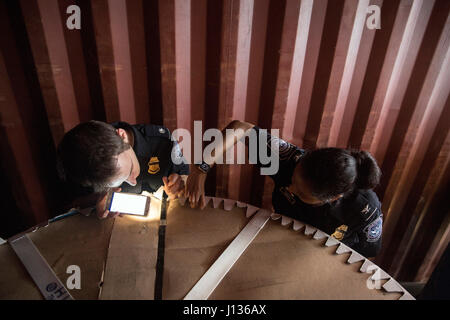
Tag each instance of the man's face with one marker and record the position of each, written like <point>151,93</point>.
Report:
<point>128,169</point>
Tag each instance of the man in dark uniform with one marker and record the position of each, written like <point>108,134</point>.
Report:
<point>153,147</point>
<point>352,216</point>
<point>101,157</point>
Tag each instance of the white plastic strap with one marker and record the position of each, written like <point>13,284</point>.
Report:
<point>211,279</point>
<point>38,268</point>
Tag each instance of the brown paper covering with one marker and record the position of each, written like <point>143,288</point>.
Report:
<point>77,240</point>
<point>280,263</point>
<point>131,265</point>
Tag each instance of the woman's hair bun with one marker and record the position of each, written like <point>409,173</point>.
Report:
<point>369,173</point>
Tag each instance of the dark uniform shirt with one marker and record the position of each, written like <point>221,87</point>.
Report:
<point>153,147</point>
<point>356,219</point>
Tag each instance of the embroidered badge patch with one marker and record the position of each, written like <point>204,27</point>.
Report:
<point>177,155</point>
<point>374,229</point>
<point>279,144</point>
<point>340,232</point>
<point>153,165</point>
<point>283,148</point>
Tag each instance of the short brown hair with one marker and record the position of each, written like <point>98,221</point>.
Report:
<point>87,154</point>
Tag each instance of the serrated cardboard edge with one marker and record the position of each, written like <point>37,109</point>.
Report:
<point>354,257</point>
<point>216,202</point>
<point>390,286</point>
<point>228,204</point>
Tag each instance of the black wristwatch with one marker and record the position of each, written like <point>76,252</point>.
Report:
<point>203,167</point>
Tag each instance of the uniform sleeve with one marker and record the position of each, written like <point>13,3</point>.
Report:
<point>286,152</point>
<point>367,237</point>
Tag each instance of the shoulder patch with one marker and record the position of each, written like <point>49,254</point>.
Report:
<point>177,154</point>
<point>374,229</point>
<point>283,148</point>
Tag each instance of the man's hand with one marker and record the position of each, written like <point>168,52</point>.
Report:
<point>100,207</point>
<point>173,185</point>
<point>195,188</point>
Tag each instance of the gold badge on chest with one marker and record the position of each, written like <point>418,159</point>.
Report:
<point>340,232</point>
<point>153,165</point>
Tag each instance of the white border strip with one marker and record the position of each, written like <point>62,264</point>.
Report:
<point>43,276</point>
<point>211,279</point>
<point>215,275</point>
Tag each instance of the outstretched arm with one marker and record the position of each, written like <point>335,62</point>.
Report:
<point>195,185</point>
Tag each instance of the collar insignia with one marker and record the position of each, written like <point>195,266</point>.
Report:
<point>365,210</point>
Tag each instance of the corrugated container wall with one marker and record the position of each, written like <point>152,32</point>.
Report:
<point>313,69</point>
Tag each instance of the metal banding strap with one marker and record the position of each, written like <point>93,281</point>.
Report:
<point>71,212</point>
<point>211,279</point>
<point>41,273</point>
<point>161,248</point>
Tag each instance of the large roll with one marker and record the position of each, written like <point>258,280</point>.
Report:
<point>117,258</point>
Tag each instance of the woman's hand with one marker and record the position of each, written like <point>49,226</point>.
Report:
<point>100,207</point>
<point>195,188</point>
<point>173,185</point>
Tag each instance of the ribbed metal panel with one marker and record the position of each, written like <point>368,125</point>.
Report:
<point>311,68</point>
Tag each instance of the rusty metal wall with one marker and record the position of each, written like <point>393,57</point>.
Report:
<point>312,69</point>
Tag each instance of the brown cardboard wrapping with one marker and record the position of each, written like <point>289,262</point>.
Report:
<point>282,262</point>
<point>77,240</point>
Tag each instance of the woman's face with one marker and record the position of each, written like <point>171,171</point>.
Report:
<point>301,188</point>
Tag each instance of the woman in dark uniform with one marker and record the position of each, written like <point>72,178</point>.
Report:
<point>328,188</point>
